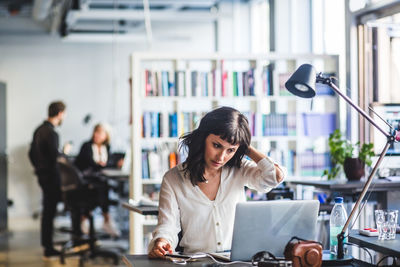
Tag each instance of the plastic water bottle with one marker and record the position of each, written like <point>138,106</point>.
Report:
<point>337,221</point>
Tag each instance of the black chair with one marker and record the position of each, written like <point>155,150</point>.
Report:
<point>80,199</point>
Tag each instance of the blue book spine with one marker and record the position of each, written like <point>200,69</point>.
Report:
<point>173,125</point>
<point>154,124</point>
<point>164,83</point>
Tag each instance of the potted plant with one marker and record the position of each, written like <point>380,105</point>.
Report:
<point>343,156</point>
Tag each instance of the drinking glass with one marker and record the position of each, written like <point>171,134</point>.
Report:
<point>386,221</point>
<point>393,223</point>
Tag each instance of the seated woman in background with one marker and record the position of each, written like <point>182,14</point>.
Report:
<point>93,156</point>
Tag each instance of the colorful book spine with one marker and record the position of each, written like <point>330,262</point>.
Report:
<point>164,83</point>
<point>173,124</point>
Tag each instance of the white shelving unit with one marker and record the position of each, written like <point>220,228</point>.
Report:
<point>260,103</point>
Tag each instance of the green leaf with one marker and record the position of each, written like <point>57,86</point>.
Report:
<point>340,149</point>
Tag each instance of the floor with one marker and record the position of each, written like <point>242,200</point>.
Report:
<point>20,246</point>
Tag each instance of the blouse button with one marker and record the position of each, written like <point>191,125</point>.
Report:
<point>219,243</point>
<point>217,223</point>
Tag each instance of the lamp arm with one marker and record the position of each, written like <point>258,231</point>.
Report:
<point>340,253</point>
<point>390,140</point>
<point>329,82</point>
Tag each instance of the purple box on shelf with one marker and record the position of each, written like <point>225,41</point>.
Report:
<point>319,124</point>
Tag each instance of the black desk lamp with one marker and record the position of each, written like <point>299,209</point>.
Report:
<point>302,83</point>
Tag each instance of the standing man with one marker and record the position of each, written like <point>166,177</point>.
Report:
<point>43,155</point>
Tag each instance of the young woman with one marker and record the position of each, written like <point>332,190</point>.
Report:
<point>92,157</point>
<point>199,196</point>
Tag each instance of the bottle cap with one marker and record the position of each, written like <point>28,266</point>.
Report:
<point>338,200</point>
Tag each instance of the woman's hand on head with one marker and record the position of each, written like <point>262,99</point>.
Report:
<point>254,154</point>
<point>160,248</point>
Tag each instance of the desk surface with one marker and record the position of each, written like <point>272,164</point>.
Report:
<point>115,173</point>
<point>387,247</point>
<point>356,186</point>
<point>144,261</point>
<point>144,210</point>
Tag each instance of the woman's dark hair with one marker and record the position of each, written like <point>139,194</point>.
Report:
<point>225,122</point>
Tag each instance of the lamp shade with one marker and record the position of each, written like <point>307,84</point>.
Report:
<point>302,81</point>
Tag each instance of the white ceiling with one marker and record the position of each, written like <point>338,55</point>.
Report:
<point>125,18</point>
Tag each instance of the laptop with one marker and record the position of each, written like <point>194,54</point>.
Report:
<point>269,225</point>
<point>125,168</point>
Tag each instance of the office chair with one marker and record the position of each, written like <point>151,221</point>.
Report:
<point>80,199</point>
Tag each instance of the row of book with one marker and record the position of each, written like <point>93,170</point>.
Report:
<point>276,124</point>
<point>153,124</point>
<point>314,164</point>
<point>155,162</point>
<point>219,83</point>
<point>273,124</point>
<point>309,162</point>
<point>199,83</point>
<point>285,158</point>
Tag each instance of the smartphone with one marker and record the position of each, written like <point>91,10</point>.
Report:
<point>187,256</point>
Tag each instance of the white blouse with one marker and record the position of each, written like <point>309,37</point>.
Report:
<point>207,226</point>
<point>99,154</point>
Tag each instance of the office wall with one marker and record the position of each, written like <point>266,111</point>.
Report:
<point>92,78</point>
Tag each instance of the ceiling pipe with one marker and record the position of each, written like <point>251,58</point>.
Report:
<point>156,15</point>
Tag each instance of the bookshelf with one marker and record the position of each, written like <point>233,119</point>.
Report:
<point>171,92</point>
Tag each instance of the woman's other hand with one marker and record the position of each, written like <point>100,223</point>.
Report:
<point>160,248</point>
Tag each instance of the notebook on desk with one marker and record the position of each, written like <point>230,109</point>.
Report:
<point>269,225</point>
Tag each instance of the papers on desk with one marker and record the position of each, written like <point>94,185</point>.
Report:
<point>393,178</point>
<point>143,202</point>
<point>114,172</point>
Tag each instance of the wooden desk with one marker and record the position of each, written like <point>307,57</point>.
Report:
<point>387,247</point>
<point>384,190</point>
<point>144,210</point>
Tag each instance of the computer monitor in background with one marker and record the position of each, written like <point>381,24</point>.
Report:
<point>391,114</point>
<point>115,158</point>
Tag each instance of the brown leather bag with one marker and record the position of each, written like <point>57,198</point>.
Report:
<point>304,253</point>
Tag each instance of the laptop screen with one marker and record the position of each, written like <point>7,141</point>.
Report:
<point>269,226</point>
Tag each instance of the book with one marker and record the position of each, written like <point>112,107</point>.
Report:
<point>154,124</point>
<point>193,84</point>
<point>235,83</point>
<point>145,165</point>
<point>172,160</point>
<point>240,84</point>
<point>224,83</point>
<point>173,124</point>
<point>250,82</point>
<point>154,162</point>
<point>164,83</point>
<point>180,83</point>
<point>148,85</point>
<point>171,84</point>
